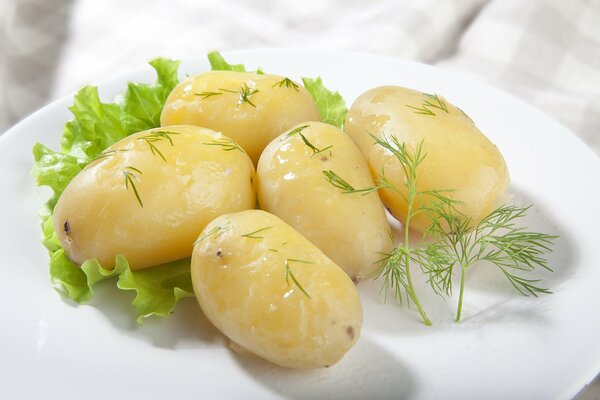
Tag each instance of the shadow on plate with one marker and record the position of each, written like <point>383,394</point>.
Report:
<point>185,327</point>
<point>366,372</point>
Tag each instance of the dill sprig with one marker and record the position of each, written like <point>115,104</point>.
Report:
<point>215,231</point>
<point>454,242</point>
<point>253,235</point>
<point>312,147</point>
<point>293,132</point>
<point>344,186</point>
<point>226,144</point>
<point>108,153</point>
<point>131,177</point>
<point>158,136</point>
<point>432,102</point>
<point>396,264</point>
<point>206,95</point>
<point>289,274</point>
<point>288,83</point>
<point>245,93</point>
<point>497,239</point>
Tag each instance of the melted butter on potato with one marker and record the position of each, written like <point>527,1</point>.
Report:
<point>249,108</point>
<point>350,228</point>
<point>458,155</point>
<point>149,195</point>
<point>272,292</point>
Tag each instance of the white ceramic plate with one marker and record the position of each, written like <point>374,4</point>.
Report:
<point>506,347</point>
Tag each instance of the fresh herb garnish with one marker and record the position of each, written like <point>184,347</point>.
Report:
<point>293,132</point>
<point>158,136</point>
<point>215,231</point>
<point>312,147</point>
<point>396,264</point>
<point>496,239</point>
<point>108,153</point>
<point>454,241</point>
<point>288,83</point>
<point>289,274</point>
<point>253,235</point>
<point>131,177</point>
<point>344,186</point>
<point>245,93</point>
<point>206,95</point>
<point>226,144</point>
<point>433,101</point>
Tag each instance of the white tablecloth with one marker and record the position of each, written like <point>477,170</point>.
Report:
<point>547,51</point>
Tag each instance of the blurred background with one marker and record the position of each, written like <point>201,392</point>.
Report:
<point>546,52</point>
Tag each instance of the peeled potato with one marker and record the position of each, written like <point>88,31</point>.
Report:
<point>149,195</point>
<point>272,292</point>
<point>458,155</point>
<point>249,108</point>
<point>350,228</point>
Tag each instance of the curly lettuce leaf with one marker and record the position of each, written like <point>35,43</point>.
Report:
<point>331,105</point>
<point>157,289</point>
<point>96,126</point>
<point>218,63</point>
<point>143,103</point>
<point>54,170</point>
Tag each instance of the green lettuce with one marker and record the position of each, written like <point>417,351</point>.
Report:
<point>331,106</point>
<point>96,126</point>
<point>218,63</point>
<point>55,170</point>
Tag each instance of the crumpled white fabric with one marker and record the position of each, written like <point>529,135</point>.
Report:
<point>546,52</point>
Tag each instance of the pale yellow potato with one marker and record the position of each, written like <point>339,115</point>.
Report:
<point>458,155</point>
<point>215,100</point>
<point>350,228</point>
<point>239,276</point>
<point>99,215</point>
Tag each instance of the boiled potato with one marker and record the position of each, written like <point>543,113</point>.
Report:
<point>458,155</point>
<point>350,228</point>
<point>249,108</point>
<point>272,292</point>
<point>149,195</point>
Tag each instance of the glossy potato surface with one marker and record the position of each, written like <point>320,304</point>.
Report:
<point>350,228</point>
<point>458,155</point>
<point>250,108</point>
<point>248,272</point>
<point>183,177</point>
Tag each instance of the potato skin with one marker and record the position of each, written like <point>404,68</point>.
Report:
<point>239,277</point>
<point>350,228</point>
<point>458,155</point>
<point>275,107</point>
<point>98,216</point>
